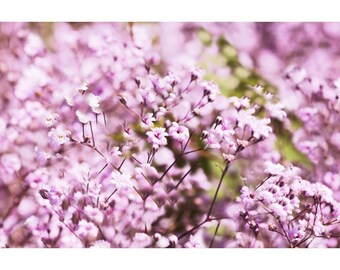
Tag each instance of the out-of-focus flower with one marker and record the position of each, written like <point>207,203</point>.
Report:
<point>59,136</point>
<point>121,180</point>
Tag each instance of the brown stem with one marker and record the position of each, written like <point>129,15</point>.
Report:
<point>218,188</point>
<point>213,239</point>
<point>93,141</point>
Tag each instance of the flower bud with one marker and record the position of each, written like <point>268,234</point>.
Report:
<point>272,227</point>
<point>204,135</point>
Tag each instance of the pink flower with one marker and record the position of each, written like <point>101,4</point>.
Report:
<point>172,79</point>
<point>147,96</point>
<point>83,87</point>
<point>266,196</point>
<point>59,136</point>
<point>161,241</point>
<point>223,131</point>
<point>296,235</point>
<point>332,180</point>
<point>212,141</point>
<point>147,121</point>
<point>38,177</point>
<point>141,240</point>
<point>245,117</point>
<point>157,136</point>
<point>210,89</point>
<point>240,103</point>
<point>179,133</point>
<point>160,113</point>
<point>94,102</point>
<point>274,169</point>
<point>193,242</point>
<point>275,110</point>
<point>51,119</point>
<point>32,80</point>
<point>82,117</point>
<point>54,197</point>
<point>297,75</point>
<point>10,163</point>
<point>261,128</point>
<point>258,88</point>
<point>41,156</point>
<point>94,214</point>
<point>246,197</point>
<point>160,86</point>
<point>306,114</point>
<point>146,171</point>
<point>279,211</point>
<point>197,73</point>
<point>121,180</point>
<point>34,45</point>
<point>87,230</point>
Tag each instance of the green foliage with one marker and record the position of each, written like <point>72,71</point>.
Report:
<point>286,147</point>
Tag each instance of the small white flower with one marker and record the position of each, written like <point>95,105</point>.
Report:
<point>51,119</point>
<point>94,101</point>
<point>84,87</point>
<point>274,169</point>
<point>82,117</point>
<point>121,180</point>
<point>87,229</point>
<point>94,213</point>
<point>157,136</point>
<point>179,133</point>
<point>147,121</point>
<point>276,110</point>
<point>59,136</point>
<point>41,155</point>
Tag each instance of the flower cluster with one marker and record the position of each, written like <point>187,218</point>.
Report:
<point>295,210</point>
<point>120,135</point>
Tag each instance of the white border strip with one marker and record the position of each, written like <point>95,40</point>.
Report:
<point>172,10</point>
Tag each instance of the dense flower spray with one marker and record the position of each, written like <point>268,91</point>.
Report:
<point>120,135</point>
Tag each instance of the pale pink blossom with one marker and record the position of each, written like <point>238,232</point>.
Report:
<point>157,137</point>
<point>178,132</point>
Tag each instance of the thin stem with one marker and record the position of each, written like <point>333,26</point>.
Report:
<point>192,229</point>
<point>193,151</point>
<point>83,131</point>
<point>211,206</point>
<point>180,156</point>
<point>216,230</point>
<point>102,169</point>
<point>184,176</point>
<point>121,164</point>
<point>186,144</point>
<point>68,227</point>
<point>168,169</point>
<point>93,141</point>
<point>135,159</point>
<point>104,118</point>
<point>263,182</point>
<point>285,233</point>
<point>108,198</point>
<point>218,188</point>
